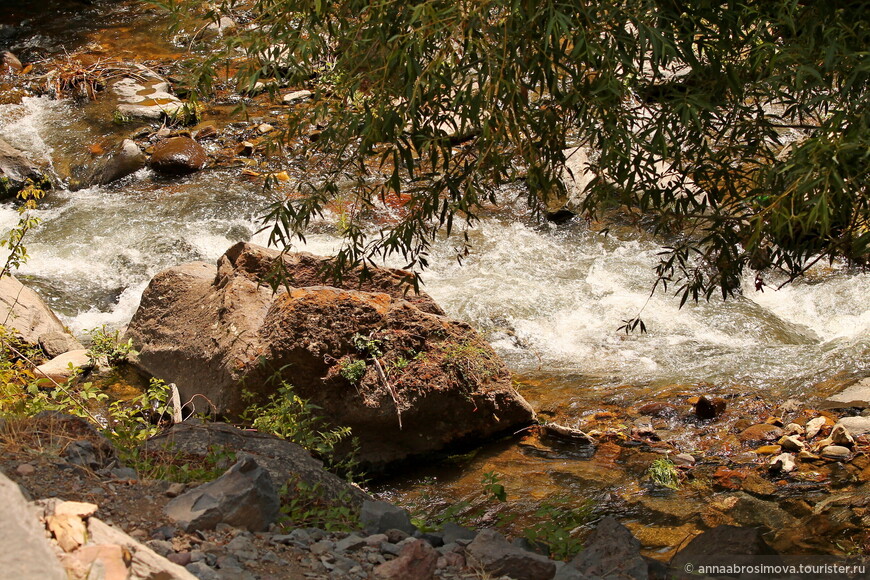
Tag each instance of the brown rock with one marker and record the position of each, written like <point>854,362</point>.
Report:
<point>25,469</point>
<point>761,432</point>
<point>416,561</point>
<point>725,478</point>
<point>706,409</point>
<point>210,331</point>
<point>9,63</point>
<point>178,156</point>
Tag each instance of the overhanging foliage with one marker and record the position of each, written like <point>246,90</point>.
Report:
<point>740,127</point>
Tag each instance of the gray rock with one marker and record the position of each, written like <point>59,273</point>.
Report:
<point>242,548</point>
<point>126,473</point>
<point>452,532</point>
<point>492,552</point>
<point>836,452</point>
<point>55,343</point>
<point>26,552</point>
<point>243,497</point>
<point>611,551</point>
<point>202,571</point>
<point>350,543</point>
<point>723,545</point>
<point>856,425</point>
<point>25,312</point>
<point>146,97</point>
<point>16,171</point>
<point>322,547</point>
<point>296,96</point>
<point>127,158</point>
<point>567,572</point>
<point>377,517</point>
<point>285,461</point>
<point>82,453</point>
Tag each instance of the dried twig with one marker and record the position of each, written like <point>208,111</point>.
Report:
<point>383,376</point>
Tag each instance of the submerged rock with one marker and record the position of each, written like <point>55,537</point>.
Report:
<point>146,96</point>
<point>126,159</point>
<point>372,354</point>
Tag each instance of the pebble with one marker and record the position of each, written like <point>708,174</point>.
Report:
<point>814,426</point>
<point>840,436</point>
<point>836,452</point>
<point>322,547</point>
<point>296,96</point>
<point>25,469</point>
<point>684,459</point>
<point>791,443</point>
<point>783,462</point>
<point>175,489</point>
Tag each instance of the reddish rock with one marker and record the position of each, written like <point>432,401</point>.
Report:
<point>9,63</point>
<point>218,331</point>
<point>417,561</point>
<point>178,156</point>
<point>725,478</point>
<point>759,433</point>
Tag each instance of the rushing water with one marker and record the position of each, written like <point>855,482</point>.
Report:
<point>550,298</point>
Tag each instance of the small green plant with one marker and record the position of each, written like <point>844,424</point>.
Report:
<point>164,462</point>
<point>306,505</point>
<point>493,487</point>
<point>556,526</point>
<point>108,344</point>
<point>367,345</point>
<point>189,113</point>
<point>473,362</point>
<point>664,473</point>
<point>30,194</point>
<point>119,118</point>
<point>290,417</point>
<point>353,370</point>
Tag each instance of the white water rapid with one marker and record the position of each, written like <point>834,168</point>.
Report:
<point>549,298</point>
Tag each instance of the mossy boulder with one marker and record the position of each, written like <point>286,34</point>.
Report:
<point>219,331</point>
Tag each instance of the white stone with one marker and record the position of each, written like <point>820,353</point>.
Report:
<point>62,367</point>
<point>297,96</point>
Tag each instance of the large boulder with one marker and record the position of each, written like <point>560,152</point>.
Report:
<point>373,355</point>
<point>22,310</point>
<point>17,172</point>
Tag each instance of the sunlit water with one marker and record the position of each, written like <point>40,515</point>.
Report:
<point>549,298</point>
